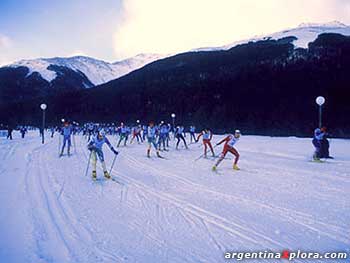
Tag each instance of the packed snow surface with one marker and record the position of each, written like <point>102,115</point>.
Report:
<point>174,209</point>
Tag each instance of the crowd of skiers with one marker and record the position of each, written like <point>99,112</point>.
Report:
<point>157,136</point>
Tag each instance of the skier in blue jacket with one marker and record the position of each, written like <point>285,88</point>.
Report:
<point>163,135</point>
<point>66,131</point>
<point>192,133</point>
<point>123,134</point>
<point>95,146</point>
<point>179,136</point>
<point>151,138</point>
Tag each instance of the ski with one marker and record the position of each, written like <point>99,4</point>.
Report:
<point>116,180</point>
<point>317,161</point>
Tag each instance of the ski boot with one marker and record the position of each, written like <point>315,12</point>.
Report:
<point>94,177</point>
<point>61,154</point>
<point>148,153</point>
<point>158,155</point>
<point>235,167</point>
<point>107,176</point>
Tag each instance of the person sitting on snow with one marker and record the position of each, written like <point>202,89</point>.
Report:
<point>321,144</point>
<point>316,141</point>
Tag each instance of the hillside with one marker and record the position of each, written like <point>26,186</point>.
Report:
<point>263,87</point>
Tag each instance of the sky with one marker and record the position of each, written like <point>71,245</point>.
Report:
<point>112,30</point>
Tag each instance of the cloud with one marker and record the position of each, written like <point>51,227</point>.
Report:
<point>5,42</point>
<point>166,26</point>
<point>77,53</point>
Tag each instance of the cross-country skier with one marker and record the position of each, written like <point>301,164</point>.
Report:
<point>207,136</point>
<point>123,134</point>
<point>163,136</point>
<point>9,132</point>
<point>95,146</point>
<point>23,131</point>
<point>230,141</point>
<point>168,135</point>
<point>179,136</point>
<point>52,129</point>
<point>66,132</point>
<point>144,132</point>
<point>90,129</point>
<point>151,138</point>
<point>136,133</point>
<point>192,133</point>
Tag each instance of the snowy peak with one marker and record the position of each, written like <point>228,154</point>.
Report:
<point>36,65</point>
<point>305,33</point>
<point>139,59</point>
<point>332,24</point>
<point>97,71</point>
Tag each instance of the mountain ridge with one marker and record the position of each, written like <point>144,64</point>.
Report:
<point>97,71</point>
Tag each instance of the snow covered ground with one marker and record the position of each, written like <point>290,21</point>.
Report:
<point>174,209</point>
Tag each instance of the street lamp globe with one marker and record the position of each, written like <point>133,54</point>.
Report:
<point>320,100</point>
<point>43,106</point>
<point>173,115</point>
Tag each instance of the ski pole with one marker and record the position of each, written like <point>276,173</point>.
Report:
<point>59,144</point>
<point>216,145</point>
<point>87,168</point>
<point>75,148</point>
<point>110,170</point>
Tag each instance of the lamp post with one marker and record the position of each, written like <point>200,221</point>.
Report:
<point>173,115</point>
<point>43,107</point>
<point>320,101</point>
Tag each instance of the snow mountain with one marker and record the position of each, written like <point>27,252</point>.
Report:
<point>305,33</point>
<point>97,71</point>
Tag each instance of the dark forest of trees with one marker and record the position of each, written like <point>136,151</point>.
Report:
<point>265,87</point>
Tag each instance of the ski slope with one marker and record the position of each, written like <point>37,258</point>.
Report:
<point>174,209</point>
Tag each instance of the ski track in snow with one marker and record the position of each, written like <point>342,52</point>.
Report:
<point>173,209</point>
